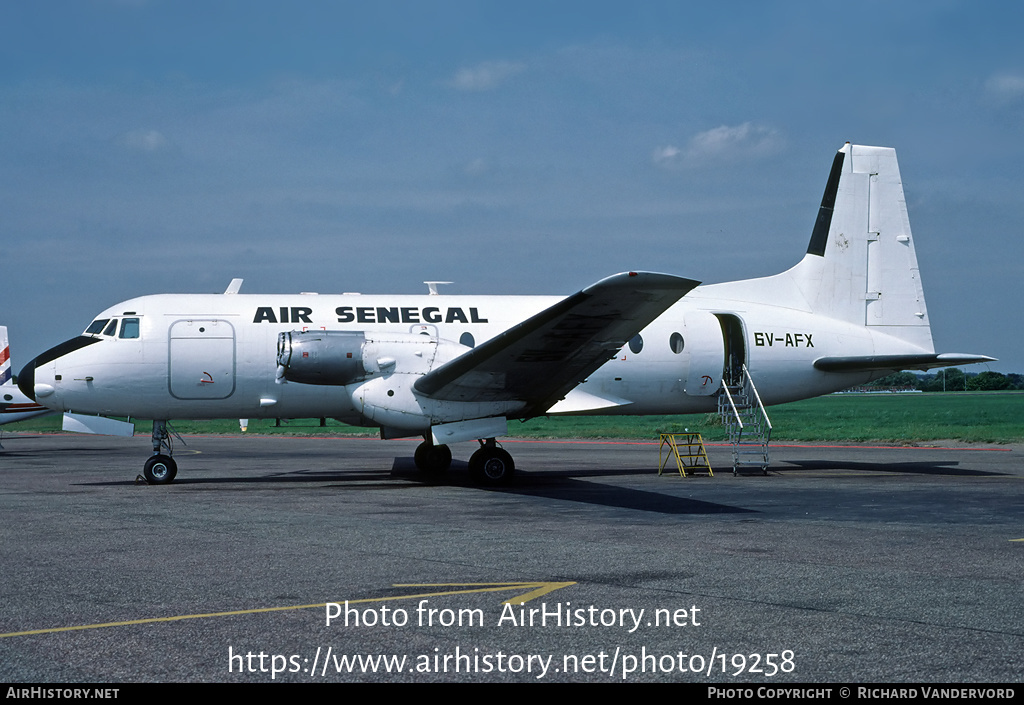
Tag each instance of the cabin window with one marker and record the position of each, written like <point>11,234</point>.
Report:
<point>636,344</point>
<point>675,342</point>
<point>96,326</point>
<point>130,328</point>
<point>467,340</point>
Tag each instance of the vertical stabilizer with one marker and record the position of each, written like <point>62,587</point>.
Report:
<point>861,266</point>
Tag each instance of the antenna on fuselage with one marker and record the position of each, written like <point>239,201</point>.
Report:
<point>234,286</point>
<point>432,287</point>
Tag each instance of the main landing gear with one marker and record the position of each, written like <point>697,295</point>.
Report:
<point>490,465</point>
<point>432,459</point>
<point>160,469</point>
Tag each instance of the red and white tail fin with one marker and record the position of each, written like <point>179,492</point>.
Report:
<point>14,406</point>
<point>5,358</point>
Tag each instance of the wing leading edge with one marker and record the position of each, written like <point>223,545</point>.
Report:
<point>541,359</point>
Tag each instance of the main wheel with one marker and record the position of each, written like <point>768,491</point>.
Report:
<point>491,466</point>
<point>431,458</point>
<point>160,470</point>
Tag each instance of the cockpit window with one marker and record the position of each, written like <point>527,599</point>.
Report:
<point>107,327</point>
<point>96,326</point>
<point>130,328</point>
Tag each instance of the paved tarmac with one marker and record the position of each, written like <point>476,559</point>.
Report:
<point>846,564</point>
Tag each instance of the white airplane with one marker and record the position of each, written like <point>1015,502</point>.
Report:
<point>457,368</point>
<point>14,405</point>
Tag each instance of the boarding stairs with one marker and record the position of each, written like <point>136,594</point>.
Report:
<point>746,422</point>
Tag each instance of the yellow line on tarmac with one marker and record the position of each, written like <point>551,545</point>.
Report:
<point>539,588</point>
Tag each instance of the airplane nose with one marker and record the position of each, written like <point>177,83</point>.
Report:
<point>27,377</point>
<point>27,380</point>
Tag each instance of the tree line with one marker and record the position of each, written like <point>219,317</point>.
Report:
<point>952,380</point>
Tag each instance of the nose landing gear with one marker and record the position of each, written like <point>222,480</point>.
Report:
<point>160,469</point>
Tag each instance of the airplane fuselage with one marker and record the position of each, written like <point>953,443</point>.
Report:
<point>215,356</point>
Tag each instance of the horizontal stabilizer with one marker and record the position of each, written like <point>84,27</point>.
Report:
<point>541,359</point>
<point>923,361</point>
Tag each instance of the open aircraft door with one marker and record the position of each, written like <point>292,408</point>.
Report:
<point>201,359</point>
<point>735,347</point>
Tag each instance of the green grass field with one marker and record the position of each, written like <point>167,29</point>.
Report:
<point>982,417</point>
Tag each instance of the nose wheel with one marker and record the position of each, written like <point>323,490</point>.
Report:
<point>160,469</point>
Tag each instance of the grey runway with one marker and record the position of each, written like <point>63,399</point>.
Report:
<point>845,564</point>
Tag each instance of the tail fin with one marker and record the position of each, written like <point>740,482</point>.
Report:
<point>5,358</point>
<point>861,266</point>
<point>14,405</point>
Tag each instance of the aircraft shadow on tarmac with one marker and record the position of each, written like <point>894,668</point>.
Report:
<point>949,468</point>
<point>562,485</point>
<point>566,485</point>
<point>38,452</point>
<point>573,490</point>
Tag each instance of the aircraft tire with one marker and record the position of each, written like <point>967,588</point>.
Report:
<point>433,459</point>
<point>160,470</point>
<point>491,466</point>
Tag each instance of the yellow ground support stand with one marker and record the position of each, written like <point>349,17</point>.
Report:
<point>695,456</point>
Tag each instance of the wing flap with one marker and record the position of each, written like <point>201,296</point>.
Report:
<point>578,401</point>
<point>541,359</point>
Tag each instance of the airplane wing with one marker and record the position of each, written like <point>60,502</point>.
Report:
<point>541,359</point>
<point>923,361</point>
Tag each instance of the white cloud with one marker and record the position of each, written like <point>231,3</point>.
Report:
<point>666,156</point>
<point>1005,87</point>
<point>732,141</point>
<point>485,76</point>
<point>723,143</point>
<point>144,140</point>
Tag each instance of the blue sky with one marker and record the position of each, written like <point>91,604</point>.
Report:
<point>151,146</point>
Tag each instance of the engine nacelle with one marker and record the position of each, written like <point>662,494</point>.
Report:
<point>379,370</point>
<point>321,357</point>
<point>342,358</point>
